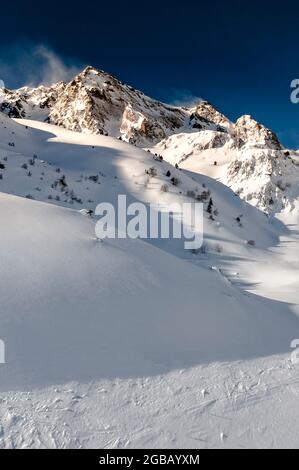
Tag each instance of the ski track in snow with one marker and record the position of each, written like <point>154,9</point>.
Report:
<point>167,411</point>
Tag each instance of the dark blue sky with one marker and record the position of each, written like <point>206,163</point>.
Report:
<point>239,55</point>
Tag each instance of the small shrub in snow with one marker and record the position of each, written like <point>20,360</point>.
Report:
<point>86,212</point>
<point>202,197</point>
<point>210,206</point>
<point>191,193</point>
<point>94,178</point>
<point>151,172</point>
<point>251,242</point>
<point>175,181</point>
<point>164,188</point>
<point>2,166</point>
<point>218,248</point>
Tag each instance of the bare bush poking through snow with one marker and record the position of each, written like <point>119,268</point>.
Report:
<point>164,188</point>
<point>151,172</point>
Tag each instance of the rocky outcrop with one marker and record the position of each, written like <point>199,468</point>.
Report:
<point>266,178</point>
<point>205,111</point>
<point>259,170</point>
<point>26,102</point>
<point>99,103</point>
<point>96,102</point>
<point>248,132</point>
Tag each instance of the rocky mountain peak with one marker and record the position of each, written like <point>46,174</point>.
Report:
<point>30,102</point>
<point>249,132</point>
<point>205,110</point>
<point>96,102</point>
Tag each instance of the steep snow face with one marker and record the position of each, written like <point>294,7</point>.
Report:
<point>262,173</point>
<point>247,157</point>
<point>265,178</point>
<point>180,147</point>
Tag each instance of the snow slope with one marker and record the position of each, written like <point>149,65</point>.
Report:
<point>132,343</point>
<point>256,168</point>
<point>252,161</point>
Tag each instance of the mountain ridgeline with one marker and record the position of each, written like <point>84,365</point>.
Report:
<point>258,169</point>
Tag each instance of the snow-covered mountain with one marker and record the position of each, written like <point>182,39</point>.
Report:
<point>252,160</point>
<point>138,334</point>
<point>34,103</point>
<point>248,158</point>
<point>96,102</point>
<point>125,343</point>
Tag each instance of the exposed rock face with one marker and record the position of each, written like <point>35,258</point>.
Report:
<point>261,174</point>
<point>30,102</point>
<point>264,178</point>
<point>251,133</point>
<point>206,111</point>
<point>95,102</point>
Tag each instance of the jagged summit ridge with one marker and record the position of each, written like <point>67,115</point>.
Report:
<point>96,102</point>
<point>249,132</point>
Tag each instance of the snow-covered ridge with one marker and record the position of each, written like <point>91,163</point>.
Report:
<point>34,103</point>
<point>248,157</point>
<point>96,102</point>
